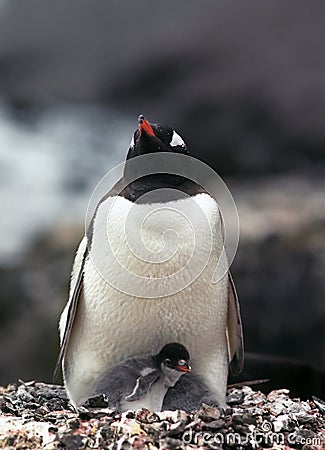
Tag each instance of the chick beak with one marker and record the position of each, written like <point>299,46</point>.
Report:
<point>183,366</point>
<point>144,126</point>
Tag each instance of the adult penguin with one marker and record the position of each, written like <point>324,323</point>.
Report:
<point>110,318</point>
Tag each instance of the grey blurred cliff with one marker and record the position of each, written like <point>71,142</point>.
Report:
<point>244,85</point>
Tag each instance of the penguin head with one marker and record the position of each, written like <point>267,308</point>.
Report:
<point>174,357</point>
<point>152,138</point>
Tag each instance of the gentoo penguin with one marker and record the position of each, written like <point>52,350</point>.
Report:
<point>142,382</point>
<point>104,323</point>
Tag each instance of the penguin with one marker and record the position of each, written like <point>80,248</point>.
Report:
<point>103,324</point>
<point>188,394</point>
<point>142,382</point>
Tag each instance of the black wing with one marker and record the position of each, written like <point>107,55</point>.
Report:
<point>72,309</point>
<point>234,330</point>
<point>142,386</point>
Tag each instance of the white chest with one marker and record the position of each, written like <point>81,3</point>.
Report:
<point>152,401</point>
<point>154,250</point>
<point>148,282</point>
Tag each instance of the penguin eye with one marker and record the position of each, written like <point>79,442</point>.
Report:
<point>168,362</point>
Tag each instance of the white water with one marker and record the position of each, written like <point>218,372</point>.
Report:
<point>49,166</point>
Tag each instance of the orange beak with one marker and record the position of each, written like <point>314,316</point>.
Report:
<point>183,366</point>
<point>145,126</point>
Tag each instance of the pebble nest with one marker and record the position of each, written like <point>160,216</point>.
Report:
<point>38,416</point>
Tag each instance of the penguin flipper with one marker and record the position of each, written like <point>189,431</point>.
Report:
<point>69,313</point>
<point>142,386</point>
<point>234,330</point>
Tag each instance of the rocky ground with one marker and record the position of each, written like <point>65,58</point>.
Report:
<point>38,416</point>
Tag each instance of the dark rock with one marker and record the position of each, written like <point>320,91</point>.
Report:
<point>235,398</point>
<point>214,424</point>
<point>172,443</point>
<point>70,441</point>
<point>319,403</point>
<point>73,424</point>
<point>99,401</point>
<point>208,412</point>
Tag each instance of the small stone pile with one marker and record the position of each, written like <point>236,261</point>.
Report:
<point>38,416</point>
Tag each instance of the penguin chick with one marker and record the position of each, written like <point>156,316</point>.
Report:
<point>142,382</point>
<point>188,394</point>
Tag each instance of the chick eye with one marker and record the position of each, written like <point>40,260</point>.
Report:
<point>176,140</point>
<point>168,362</point>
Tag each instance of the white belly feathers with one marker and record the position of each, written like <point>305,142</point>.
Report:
<point>148,282</point>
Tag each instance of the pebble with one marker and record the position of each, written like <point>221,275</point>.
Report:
<point>38,416</point>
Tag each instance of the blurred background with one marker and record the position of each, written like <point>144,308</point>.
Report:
<point>243,83</point>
